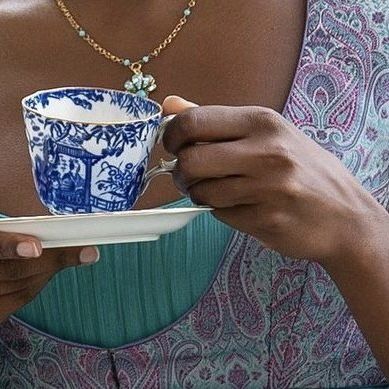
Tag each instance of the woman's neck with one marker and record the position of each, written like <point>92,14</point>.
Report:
<point>126,8</point>
<point>122,17</point>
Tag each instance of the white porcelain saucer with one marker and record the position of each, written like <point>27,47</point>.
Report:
<point>102,228</point>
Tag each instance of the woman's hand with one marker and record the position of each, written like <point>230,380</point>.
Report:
<point>266,178</point>
<point>25,268</point>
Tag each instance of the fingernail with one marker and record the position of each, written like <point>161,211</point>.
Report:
<point>176,97</point>
<point>179,99</point>
<point>89,255</point>
<point>28,250</point>
<point>171,97</point>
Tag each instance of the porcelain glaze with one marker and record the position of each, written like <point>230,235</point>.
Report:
<point>90,147</point>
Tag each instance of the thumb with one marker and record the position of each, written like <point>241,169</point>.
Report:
<point>175,104</point>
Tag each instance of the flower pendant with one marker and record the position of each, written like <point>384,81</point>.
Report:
<point>140,84</point>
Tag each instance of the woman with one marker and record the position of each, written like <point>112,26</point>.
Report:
<point>311,183</point>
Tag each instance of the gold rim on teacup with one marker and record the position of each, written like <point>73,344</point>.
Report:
<point>37,93</point>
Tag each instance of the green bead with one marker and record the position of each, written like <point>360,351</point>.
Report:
<point>82,33</point>
<point>128,85</point>
<point>126,62</point>
<point>187,12</point>
<point>141,93</point>
<point>146,59</point>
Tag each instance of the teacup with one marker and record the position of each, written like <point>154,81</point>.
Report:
<point>90,147</point>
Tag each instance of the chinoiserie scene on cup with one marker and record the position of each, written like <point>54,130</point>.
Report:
<point>194,194</point>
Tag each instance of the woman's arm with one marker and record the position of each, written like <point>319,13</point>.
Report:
<point>362,276</point>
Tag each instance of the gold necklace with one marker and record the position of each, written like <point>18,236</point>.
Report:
<point>139,84</point>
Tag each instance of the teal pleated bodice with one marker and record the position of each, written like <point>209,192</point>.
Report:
<point>135,290</point>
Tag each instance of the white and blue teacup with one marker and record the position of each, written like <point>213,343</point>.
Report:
<point>90,147</point>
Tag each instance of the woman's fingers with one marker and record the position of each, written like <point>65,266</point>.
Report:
<point>224,192</point>
<point>10,287</point>
<point>19,246</point>
<point>202,125</point>
<point>211,160</point>
<point>237,158</point>
<point>21,279</point>
<point>12,301</point>
<point>68,257</point>
<point>264,222</point>
<point>51,261</point>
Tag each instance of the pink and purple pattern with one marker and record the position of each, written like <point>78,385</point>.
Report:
<point>266,321</point>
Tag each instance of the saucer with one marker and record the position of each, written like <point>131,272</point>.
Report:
<point>102,228</point>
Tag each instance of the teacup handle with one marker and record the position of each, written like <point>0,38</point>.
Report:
<point>164,167</point>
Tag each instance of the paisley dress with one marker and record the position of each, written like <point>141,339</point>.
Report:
<point>265,321</point>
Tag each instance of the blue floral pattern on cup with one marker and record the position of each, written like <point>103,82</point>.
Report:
<point>90,147</point>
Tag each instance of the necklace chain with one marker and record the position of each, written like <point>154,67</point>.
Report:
<point>136,65</point>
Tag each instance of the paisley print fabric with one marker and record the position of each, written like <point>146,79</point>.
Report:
<point>266,321</point>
